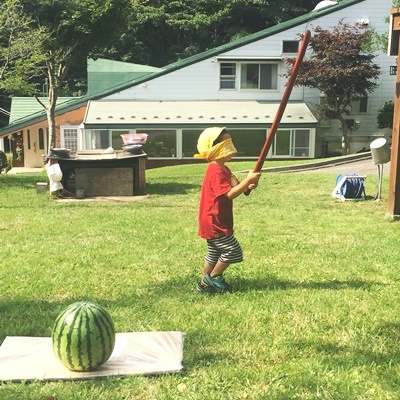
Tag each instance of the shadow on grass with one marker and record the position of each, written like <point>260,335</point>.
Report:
<point>28,318</point>
<point>169,188</point>
<point>183,285</point>
<point>21,180</point>
<point>272,283</point>
<point>199,358</point>
<point>376,348</point>
<point>33,317</point>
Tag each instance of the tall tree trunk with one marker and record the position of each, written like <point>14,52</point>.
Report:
<point>56,77</point>
<point>51,120</point>
<point>51,106</point>
<point>345,138</point>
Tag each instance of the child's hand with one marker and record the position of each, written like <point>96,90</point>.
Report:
<point>253,178</point>
<point>252,186</point>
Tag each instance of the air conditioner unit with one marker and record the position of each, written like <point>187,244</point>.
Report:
<point>351,124</point>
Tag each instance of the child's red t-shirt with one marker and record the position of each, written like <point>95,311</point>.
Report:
<point>216,210</point>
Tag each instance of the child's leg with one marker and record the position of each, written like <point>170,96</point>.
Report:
<point>207,268</point>
<point>219,269</point>
<point>214,269</point>
<point>221,253</point>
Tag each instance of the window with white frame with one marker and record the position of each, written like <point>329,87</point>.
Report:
<point>248,142</point>
<point>291,143</point>
<point>104,138</point>
<point>359,105</point>
<point>97,139</point>
<point>253,76</point>
<point>161,143</point>
<point>227,76</point>
<point>69,137</point>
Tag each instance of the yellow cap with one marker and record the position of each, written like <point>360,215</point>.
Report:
<point>207,138</point>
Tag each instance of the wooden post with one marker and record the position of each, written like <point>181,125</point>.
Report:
<point>393,211</point>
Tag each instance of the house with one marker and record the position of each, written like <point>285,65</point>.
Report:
<point>238,85</point>
<point>29,139</point>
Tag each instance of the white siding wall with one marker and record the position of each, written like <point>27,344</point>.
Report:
<point>201,80</point>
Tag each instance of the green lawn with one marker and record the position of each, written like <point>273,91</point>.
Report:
<point>315,312</point>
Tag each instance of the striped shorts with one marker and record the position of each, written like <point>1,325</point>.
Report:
<point>225,249</point>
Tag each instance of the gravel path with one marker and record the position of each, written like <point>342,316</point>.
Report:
<point>362,167</point>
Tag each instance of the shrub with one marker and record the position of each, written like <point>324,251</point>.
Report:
<point>3,161</point>
<point>385,115</point>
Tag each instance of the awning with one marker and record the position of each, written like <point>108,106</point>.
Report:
<point>107,114</point>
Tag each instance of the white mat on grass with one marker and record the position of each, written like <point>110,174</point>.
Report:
<point>25,358</point>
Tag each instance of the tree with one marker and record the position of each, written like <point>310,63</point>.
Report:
<point>19,57</point>
<point>385,116</point>
<point>340,70</point>
<point>58,32</point>
<point>161,32</point>
<point>3,161</point>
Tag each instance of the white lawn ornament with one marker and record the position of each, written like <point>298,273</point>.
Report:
<point>55,175</point>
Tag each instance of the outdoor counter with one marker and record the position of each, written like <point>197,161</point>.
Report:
<point>94,173</point>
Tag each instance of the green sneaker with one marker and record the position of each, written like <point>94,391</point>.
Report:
<point>204,288</point>
<point>218,283</point>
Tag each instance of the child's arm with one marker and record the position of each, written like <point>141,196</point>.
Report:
<point>250,182</point>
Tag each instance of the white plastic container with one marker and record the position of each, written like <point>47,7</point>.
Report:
<point>380,151</point>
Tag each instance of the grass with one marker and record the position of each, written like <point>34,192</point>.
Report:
<point>314,315</point>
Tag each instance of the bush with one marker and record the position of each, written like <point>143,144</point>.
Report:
<point>3,161</point>
<point>385,116</point>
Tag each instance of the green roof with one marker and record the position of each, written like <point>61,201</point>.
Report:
<point>105,74</point>
<point>23,107</point>
<point>81,101</point>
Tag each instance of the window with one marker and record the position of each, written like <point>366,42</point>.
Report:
<point>292,143</point>
<point>281,145</point>
<point>250,76</point>
<point>116,139</point>
<point>189,142</point>
<point>97,139</point>
<point>160,143</point>
<point>248,142</point>
<point>301,141</point>
<point>41,139</point>
<point>290,46</point>
<point>228,76</point>
<point>359,105</point>
<point>258,76</point>
<point>69,137</point>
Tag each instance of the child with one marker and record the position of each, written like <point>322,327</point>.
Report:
<point>219,189</point>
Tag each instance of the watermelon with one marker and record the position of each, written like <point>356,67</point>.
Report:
<point>83,336</point>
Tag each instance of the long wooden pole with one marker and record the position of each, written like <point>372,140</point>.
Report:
<point>282,105</point>
<point>284,101</point>
<point>393,210</point>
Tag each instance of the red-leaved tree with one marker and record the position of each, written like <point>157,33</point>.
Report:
<point>340,69</point>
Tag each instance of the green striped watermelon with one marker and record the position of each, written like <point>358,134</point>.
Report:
<point>83,336</point>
